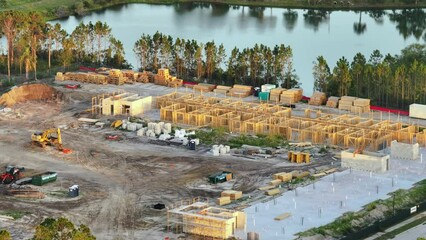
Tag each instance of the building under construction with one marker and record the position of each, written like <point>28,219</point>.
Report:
<point>121,103</point>
<point>350,131</point>
<point>197,217</point>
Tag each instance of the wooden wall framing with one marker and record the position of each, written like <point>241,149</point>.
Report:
<point>349,131</point>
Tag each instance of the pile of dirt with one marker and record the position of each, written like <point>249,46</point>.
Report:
<point>29,92</point>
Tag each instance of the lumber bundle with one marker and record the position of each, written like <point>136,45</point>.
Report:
<point>275,94</point>
<point>160,80</point>
<point>360,105</point>
<point>232,194</point>
<point>264,188</point>
<point>130,75</point>
<point>283,176</point>
<point>223,201</point>
<point>317,99</point>
<point>85,77</point>
<point>143,77</point>
<point>291,96</point>
<point>222,89</point>
<point>273,192</point>
<point>346,102</point>
<point>275,182</point>
<point>332,102</point>
<point>299,157</point>
<point>203,87</point>
<point>59,76</point>
<point>175,82</point>
<point>241,91</point>
<point>297,174</point>
<point>282,216</point>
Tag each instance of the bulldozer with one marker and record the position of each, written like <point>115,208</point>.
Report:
<point>48,138</point>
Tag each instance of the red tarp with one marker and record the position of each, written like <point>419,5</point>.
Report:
<point>190,83</point>
<point>82,68</point>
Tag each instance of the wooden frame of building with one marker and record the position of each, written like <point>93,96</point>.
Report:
<point>349,131</point>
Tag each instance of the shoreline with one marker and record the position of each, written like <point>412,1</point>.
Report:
<point>49,9</point>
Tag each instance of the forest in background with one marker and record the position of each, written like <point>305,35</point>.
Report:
<point>34,47</point>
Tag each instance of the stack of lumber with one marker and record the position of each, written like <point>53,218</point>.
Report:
<point>332,102</point>
<point>143,77</point>
<point>275,182</point>
<point>283,176</point>
<point>115,76</point>
<point>346,103</point>
<point>275,93</point>
<point>282,216</point>
<point>240,91</point>
<point>204,87</point>
<point>222,89</point>
<point>232,194</point>
<point>175,82</point>
<point>290,96</point>
<point>130,75</point>
<point>317,99</point>
<point>223,201</point>
<point>59,76</point>
<point>298,174</point>
<point>85,77</point>
<point>160,80</point>
<point>361,105</point>
<point>299,157</point>
<point>273,192</point>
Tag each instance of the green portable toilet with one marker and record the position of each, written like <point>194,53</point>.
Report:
<point>264,96</point>
<point>44,178</point>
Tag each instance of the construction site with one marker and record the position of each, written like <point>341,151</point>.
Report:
<point>126,154</point>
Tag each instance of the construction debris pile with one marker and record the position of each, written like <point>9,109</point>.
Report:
<point>29,92</point>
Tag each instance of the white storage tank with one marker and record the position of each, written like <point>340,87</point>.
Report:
<point>418,111</point>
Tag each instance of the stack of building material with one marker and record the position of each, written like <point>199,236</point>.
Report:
<point>346,102</point>
<point>234,195</point>
<point>130,75</point>
<point>175,82</point>
<point>332,102</point>
<point>59,76</point>
<point>143,77</point>
<point>275,94</point>
<point>267,87</point>
<point>282,216</point>
<point>241,91</point>
<point>275,182</point>
<point>115,76</point>
<point>299,174</point>
<point>223,201</point>
<point>160,80</point>
<point>222,89</point>
<point>273,192</point>
<point>299,157</point>
<point>283,176</point>
<point>361,105</point>
<point>290,96</point>
<point>317,99</point>
<point>202,88</point>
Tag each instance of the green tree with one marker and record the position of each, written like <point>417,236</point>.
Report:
<point>322,74</point>
<point>342,76</point>
<point>61,229</point>
<point>357,72</point>
<point>67,54</point>
<point>5,235</point>
<point>142,48</point>
<point>102,32</point>
<point>9,25</point>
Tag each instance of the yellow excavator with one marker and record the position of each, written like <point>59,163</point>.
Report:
<point>48,138</point>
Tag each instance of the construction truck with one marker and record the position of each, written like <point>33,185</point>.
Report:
<point>48,138</point>
<point>11,175</point>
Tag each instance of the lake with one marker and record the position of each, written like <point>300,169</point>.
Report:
<point>310,33</point>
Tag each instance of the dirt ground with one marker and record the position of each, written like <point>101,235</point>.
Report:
<point>119,181</point>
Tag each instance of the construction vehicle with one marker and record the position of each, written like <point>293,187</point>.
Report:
<point>12,174</point>
<point>47,138</point>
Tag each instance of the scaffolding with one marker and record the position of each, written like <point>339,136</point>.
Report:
<point>346,130</point>
<point>197,217</point>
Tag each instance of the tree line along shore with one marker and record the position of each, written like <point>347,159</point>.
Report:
<point>34,47</point>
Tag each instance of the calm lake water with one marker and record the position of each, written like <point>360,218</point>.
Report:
<point>309,33</point>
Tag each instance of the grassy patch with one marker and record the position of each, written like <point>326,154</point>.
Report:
<point>259,140</point>
<point>13,213</point>
<point>402,229</point>
<point>59,193</point>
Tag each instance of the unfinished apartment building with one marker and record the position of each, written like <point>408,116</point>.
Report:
<point>121,104</point>
<point>350,131</point>
<point>201,219</point>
